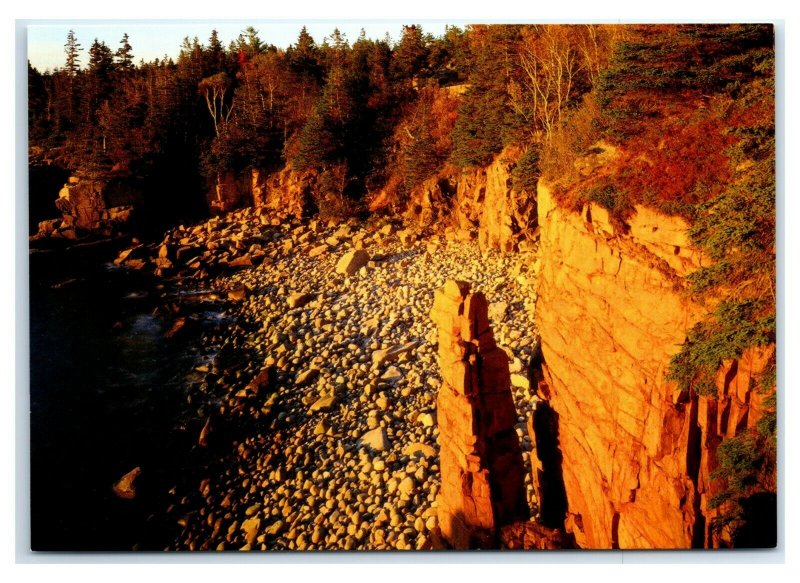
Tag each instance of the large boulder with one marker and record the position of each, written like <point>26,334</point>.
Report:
<point>352,261</point>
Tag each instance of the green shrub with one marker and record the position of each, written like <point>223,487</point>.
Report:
<point>525,175</point>
<point>746,461</point>
<point>739,461</point>
<point>734,327</point>
<point>610,198</point>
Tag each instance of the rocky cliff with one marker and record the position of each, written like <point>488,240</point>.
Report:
<point>477,202</point>
<point>289,190</point>
<point>636,454</point>
<point>90,205</point>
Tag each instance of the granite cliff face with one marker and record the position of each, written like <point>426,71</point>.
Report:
<point>636,454</point>
<point>288,190</point>
<point>90,205</point>
<point>478,202</point>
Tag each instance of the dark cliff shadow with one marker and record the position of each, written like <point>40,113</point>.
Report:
<point>544,427</point>
<point>552,494</point>
<point>760,528</point>
<point>44,183</point>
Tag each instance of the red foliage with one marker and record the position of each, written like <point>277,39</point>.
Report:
<point>678,162</point>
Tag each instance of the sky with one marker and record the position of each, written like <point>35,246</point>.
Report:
<point>154,40</point>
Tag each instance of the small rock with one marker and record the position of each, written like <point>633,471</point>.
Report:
<point>125,487</point>
<point>323,403</point>
<point>497,312</point>
<point>419,450</point>
<point>406,486</point>
<point>407,238</point>
<point>298,300</point>
<point>202,441</point>
<point>244,261</point>
<point>306,376</point>
<point>176,327</point>
<point>392,375</point>
<point>520,381</point>
<point>318,250</point>
<point>250,529</point>
<point>263,381</point>
<point>238,293</point>
<point>390,354</point>
<point>375,439</point>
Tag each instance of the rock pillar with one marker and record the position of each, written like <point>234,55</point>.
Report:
<point>480,457</point>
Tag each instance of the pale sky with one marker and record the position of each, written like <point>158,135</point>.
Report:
<point>151,41</point>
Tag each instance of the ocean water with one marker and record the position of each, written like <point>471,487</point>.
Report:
<point>108,394</point>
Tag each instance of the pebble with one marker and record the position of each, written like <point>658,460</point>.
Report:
<point>323,403</point>
<point>375,439</point>
<point>392,375</point>
<point>406,486</point>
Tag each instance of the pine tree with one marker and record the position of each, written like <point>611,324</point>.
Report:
<point>249,43</point>
<point>101,61</point>
<point>411,54</point>
<point>72,48</point>
<point>216,54</point>
<point>39,109</point>
<point>304,56</point>
<point>124,54</point>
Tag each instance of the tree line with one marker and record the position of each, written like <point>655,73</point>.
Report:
<point>358,111</point>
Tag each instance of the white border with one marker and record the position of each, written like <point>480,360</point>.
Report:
<point>433,567</point>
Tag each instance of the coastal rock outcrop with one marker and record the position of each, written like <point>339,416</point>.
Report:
<point>480,456</point>
<point>288,191</point>
<point>636,457</point>
<point>90,205</point>
<point>478,202</point>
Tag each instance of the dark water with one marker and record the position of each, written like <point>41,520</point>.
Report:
<point>44,183</point>
<point>108,393</point>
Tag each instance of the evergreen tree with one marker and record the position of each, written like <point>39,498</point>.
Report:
<point>72,48</point>
<point>98,82</point>
<point>249,43</point>
<point>485,120</point>
<point>304,56</point>
<point>39,114</point>
<point>216,54</point>
<point>101,60</point>
<point>124,54</point>
<point>411,54</point>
